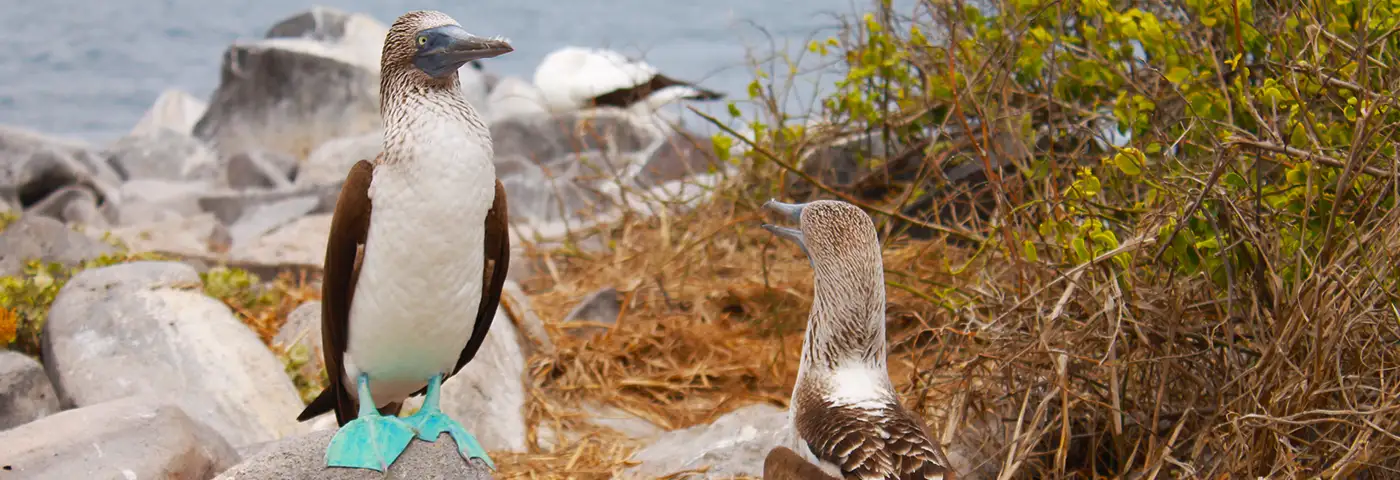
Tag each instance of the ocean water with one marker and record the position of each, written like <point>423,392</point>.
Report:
<point>90,68</point>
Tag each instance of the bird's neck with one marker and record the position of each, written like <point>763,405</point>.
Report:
<point>846,326</point>
<point>421,116</point>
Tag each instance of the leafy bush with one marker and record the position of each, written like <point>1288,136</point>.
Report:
<point>1184,234</point>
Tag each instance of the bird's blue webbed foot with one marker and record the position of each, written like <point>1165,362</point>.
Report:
<point>430,422</point>
<point>371,441</point>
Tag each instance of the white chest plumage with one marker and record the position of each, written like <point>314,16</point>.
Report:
<point>419,287</point>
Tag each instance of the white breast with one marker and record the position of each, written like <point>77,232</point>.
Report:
<point>419,288</point>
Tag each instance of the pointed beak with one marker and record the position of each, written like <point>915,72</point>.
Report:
<point>443,50</point>
<point>792,212</point>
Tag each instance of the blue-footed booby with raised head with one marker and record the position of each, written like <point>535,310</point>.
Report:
<point>573,78</point>
<point>845,414</point>
<point>417,253</point>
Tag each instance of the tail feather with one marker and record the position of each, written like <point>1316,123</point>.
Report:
<point>323,403</point>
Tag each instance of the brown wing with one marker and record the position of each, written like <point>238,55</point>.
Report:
<point>882,443</point>
<point>623,97</point>
<point>349,226</point>
<point>784,464</point>
<point>493,274</point>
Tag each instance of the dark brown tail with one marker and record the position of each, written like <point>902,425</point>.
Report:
<point>784,464</point>
<point>345,409</point>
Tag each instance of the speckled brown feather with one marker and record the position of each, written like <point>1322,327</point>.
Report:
<point>784,464</point>
<point>889,442</point>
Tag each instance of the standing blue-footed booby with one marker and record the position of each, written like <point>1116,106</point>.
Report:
<point>417,252</point>
<point>845,415</point>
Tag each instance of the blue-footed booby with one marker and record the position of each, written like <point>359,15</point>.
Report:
<point>845,414</point>
<point>417,253</point>
<point>572,78</point>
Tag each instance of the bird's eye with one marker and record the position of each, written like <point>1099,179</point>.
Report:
<point>422,39</point>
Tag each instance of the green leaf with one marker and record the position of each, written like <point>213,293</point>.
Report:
<point>1177,75</point>
<point>1128,164</point>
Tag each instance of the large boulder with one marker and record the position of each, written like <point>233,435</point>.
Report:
<point>232,206</point>
<point>155,200</point>
<point>301,242</point>
<point>146,328</point>
<point>25,392</point>
<point>162,154</point>
<point>72,205</point>
<point>175,110</point>
<point>33,166</point>
<point>362,36</point>
<point>45,239</point>
<point>290,95</point>
<point>733,445</point>
<point>138,437</point>
<point>304,457</point>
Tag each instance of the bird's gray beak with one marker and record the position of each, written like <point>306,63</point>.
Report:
<point>792,212</point>
<point>443,50</point>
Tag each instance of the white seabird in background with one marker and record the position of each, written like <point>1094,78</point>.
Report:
<point>573,78</point>
<point>514,97</point>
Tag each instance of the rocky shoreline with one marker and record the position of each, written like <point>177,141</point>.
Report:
<point>143,375</point>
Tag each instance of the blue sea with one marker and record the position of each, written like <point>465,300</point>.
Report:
<point>89,69</point>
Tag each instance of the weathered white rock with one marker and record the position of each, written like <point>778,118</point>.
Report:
<point>175,110</point>
<point>154,200</point>
<point>734,444</point>
<point>303,241</point>
<point>43,238</point>
<point>146,328</point>
<point>304,457</point>
<point>301,333</point>
<point>137,437</point>
<point>25,392</point>
<point>622,421</point>
<point>231,206</point>
<point>258,169</point>
<point>515,98</point>
<point>162,154</point>
<point>540,194</point>
<point>361,35</point>
<point>488,394</point>
<point>72,205</point>
<point>331,162</point>
<point>267,217</point>
<point>176,235</point>
<point>33,166</point>
<point>290,95</point>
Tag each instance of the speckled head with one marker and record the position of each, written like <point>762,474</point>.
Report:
<point>429,47</point>
<point>831,232</point>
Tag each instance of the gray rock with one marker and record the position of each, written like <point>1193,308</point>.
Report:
<point>176,235</point>
<point>602,306</point>
<point>331,162</point>
<point>301,242</point>
<point>360,34</point>
<point>162,154</point>
<point>304,457</point>
<point>155,200</point>
<point>269,216</point>
<point>621,421</point>
<point>140,437</point>
<point>73,205</point>
<point>734,444</point>
<point>683,155</point>
<point>290,95</point>
<point>488,394</point>
<point>301,334</point>
<point>232,206</point>
<point>541,195</point>
<point>146,328</point>
<point>517,304</point>
<point>43,238</point>
<point>33,166</point>
<point>258,169</point>
<point>175,110</point>
<point>25,392</point>
<point>514,99</point>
